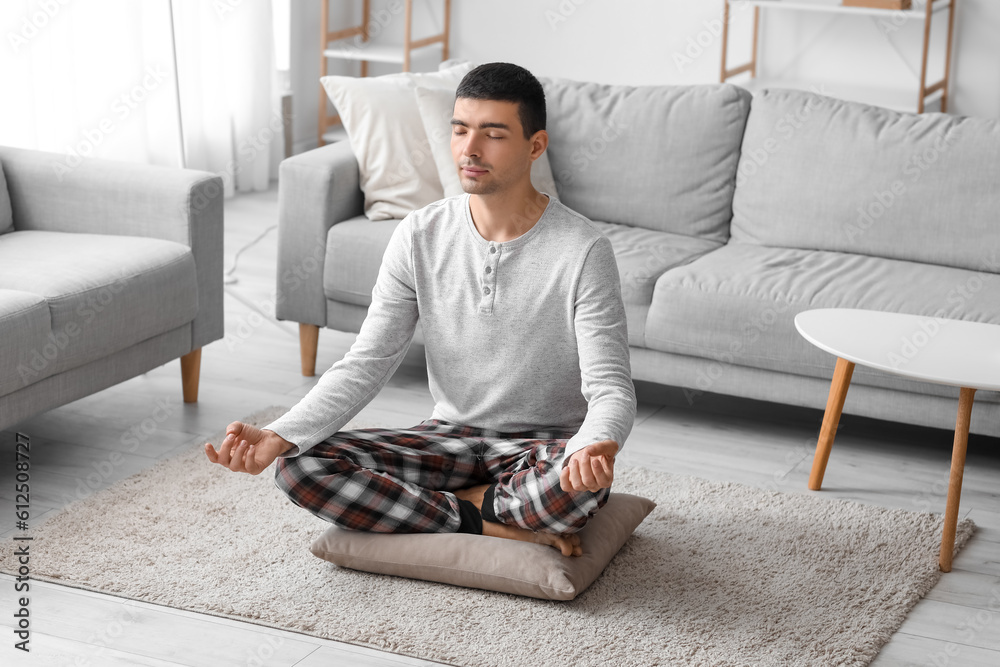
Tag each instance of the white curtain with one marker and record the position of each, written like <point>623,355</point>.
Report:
<point>97,78</point>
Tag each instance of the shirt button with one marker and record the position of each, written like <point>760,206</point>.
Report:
<point>488,269</point>
<point>493,249</point>
<point>486,290</point>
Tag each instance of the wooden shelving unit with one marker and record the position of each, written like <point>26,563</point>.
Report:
<point>343,44</point>
<point>887,97</point>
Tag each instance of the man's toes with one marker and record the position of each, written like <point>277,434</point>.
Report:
<point>569,544</point>
<point>566,547</point>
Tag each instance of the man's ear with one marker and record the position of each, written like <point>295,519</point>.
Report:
<point>539,142</point>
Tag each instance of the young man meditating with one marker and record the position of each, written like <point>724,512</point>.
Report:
<point>527,354</point>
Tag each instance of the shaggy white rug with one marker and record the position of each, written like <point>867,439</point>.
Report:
<point>718,574</point>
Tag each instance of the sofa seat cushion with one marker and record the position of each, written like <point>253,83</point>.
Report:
<point>643,255</point>
<point>104,293</point>
<point>354,250</point>
<point>737,305</point>
<point>24,325</point>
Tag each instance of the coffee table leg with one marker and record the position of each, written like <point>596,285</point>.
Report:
<point>834,406</point>
<point>957,471</point>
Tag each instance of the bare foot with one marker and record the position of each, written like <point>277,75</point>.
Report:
<point>473,494</point>
<point>568,544</point>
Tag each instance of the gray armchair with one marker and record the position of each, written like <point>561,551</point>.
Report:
<point>111,270</point>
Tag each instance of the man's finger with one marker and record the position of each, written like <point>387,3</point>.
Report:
<point>576,483</point>
<point>250,461</point>
<point>226,450</point>
<point>587,475</point>
<point>564,482</point>
<point>600,472</point>
<point>252,466</point>
<point>587,480</point>
<point>236,463</point>
<point>609,467</point>
<point>213,455</point>
<point>603,448</point>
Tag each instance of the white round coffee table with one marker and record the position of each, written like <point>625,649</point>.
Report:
<point>953,352</point>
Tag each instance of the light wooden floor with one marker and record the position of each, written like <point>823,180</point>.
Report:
<point>718,438</point>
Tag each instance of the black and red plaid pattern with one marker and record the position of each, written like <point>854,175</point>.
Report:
<point>402,480</point>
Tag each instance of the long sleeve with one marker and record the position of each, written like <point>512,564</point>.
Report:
<point>385,336</point>
<point>602,341</point>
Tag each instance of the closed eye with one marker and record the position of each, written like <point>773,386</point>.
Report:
<point>458,133</point>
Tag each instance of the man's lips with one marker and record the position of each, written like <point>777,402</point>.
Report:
<point>473,171</point>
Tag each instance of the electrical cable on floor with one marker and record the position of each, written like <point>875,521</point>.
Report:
<point>228,277</point>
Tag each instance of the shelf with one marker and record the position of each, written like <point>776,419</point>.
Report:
<point>377,53</point>
<point>834,6</point>
<point>897,100</point>
<point>347,43</point>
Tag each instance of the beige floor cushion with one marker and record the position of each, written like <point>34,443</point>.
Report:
<point>491,563</point>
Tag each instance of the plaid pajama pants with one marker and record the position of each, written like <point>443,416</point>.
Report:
<point>402,480</point>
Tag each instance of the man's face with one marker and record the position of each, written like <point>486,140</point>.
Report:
<point>488,145</point>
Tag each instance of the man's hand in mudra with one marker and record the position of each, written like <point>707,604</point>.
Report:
<point>247,448</point>
<point>591,468</point>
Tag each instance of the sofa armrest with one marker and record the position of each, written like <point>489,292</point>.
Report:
<point>55,192</point>
<point>316,190</point>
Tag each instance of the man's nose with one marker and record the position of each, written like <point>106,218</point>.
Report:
<point>472,147</point>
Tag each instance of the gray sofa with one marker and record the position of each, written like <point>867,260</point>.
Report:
<point>110,269</point>
<point>729,214</point>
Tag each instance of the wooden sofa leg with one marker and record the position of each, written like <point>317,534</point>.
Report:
<point>190,372</point>
<point>308,344</point>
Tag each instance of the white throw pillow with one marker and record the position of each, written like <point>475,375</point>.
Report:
<point>380,115</point>
<point>437,105</point>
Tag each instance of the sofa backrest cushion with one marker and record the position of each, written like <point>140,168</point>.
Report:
<point>6,217</point>
<point>659,157</point>
<point>820,173</point>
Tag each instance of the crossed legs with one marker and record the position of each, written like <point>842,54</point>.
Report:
<point>423,479</point>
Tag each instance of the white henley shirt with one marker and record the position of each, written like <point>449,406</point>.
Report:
<point>519,335</point>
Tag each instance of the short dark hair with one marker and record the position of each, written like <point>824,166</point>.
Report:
<point>508,82</point>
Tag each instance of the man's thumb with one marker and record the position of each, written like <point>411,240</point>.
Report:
<point>605,448</point>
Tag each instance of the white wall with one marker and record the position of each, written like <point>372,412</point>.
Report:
<point>640,42</point>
